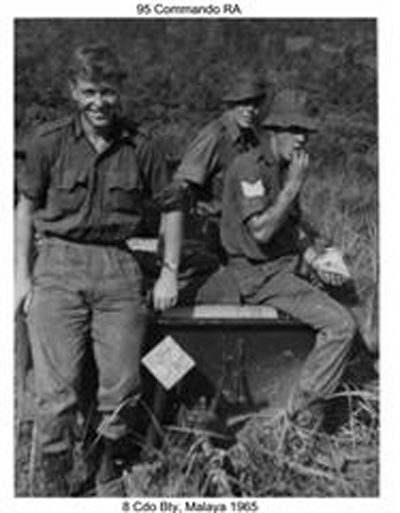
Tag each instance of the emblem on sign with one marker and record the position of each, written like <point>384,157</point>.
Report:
<point>168,362</point>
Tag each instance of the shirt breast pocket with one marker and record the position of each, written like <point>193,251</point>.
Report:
<point>71,191</point>
<point>123,193</point>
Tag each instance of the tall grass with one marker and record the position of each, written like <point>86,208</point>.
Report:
<point>341,196</point>
<point>270,457</point>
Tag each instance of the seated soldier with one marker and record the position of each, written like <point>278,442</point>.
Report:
<point>266,243</point>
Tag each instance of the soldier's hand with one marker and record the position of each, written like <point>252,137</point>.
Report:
<point>333,279</point>
<point>330,268</point>
<point>165,292</point>
<point>297,167</point>
<point>23,294</point>
<point>206,209</point>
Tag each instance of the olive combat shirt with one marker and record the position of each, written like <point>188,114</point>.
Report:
<point>252,185</point>
<point>211,154</point>
<point>86,196</point>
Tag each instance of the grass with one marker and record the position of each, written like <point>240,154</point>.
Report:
<point>342,198</point>
<point>269,457</point>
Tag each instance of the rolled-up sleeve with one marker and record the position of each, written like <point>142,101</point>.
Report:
<point>166,193</point>
<point>201,159</point>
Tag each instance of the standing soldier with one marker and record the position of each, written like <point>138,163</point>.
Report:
<point>265,240</point>
<point>81,197</point>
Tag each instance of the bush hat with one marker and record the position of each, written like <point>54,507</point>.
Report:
<point>245,86</point>
<point>289,110</point>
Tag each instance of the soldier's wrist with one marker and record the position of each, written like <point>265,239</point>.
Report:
<point>171,267</point>
<point>290,191</point>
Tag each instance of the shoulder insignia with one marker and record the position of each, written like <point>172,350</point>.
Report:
<point>54,126</point>
<point>252,190</point>
<point>211,129</point>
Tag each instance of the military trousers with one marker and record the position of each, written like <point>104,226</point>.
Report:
<point>85,296</point>
<point>279,286</point>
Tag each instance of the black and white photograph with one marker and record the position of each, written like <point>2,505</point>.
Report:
<point>196,258</point>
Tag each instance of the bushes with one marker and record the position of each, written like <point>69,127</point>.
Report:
<point>185,63</point>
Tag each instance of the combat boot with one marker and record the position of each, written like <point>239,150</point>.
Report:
<point>109,479</point>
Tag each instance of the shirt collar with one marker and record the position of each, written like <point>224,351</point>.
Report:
<point>266,150</point>
<point>231,126</point>
<point>77,126</point>
<point>120,132</point>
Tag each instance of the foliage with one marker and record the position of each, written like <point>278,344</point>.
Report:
<point>268,456</point>
<point>178,68</point>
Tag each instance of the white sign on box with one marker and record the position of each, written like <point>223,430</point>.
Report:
<point>168,362</point>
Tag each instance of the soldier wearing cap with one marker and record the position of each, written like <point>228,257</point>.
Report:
<point>201,173</point>
<point>210,154</point>
<point>82,195</point>
<point>266,242</point>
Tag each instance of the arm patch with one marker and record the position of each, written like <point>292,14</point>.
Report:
<point>252,190</point>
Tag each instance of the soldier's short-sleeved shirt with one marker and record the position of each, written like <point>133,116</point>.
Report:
<point>87,196</point>
<point>251,186</point>
<point>211,153</point>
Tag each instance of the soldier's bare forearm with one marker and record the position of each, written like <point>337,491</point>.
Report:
<point>23,237</point>
<point>172,223</point>
<point>266,224</point>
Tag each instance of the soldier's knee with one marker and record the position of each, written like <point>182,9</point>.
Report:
<point>346,326</point>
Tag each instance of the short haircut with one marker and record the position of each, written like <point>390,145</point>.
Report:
<point>97,63</point>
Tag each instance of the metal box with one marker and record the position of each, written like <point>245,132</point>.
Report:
<point>246,361</point>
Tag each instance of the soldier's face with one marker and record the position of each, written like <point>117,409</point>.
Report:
<point>98,102</point>
<point>246,113</point>
<point>288,141</point>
